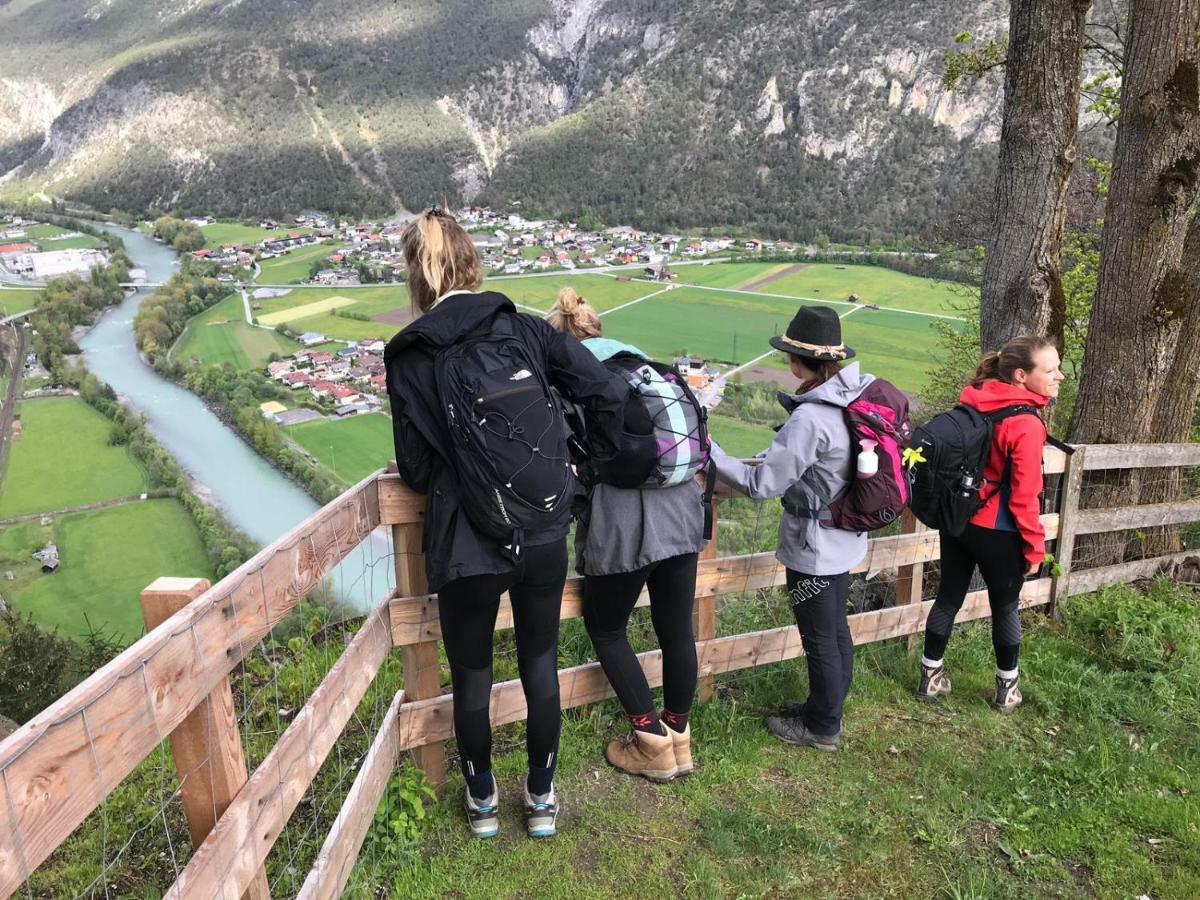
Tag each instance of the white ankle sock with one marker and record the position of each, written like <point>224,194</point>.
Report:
<point>931,663</point>
<point>1006,674</point>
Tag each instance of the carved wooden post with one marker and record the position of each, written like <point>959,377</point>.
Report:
<point>422,675</point>
<point>704,614</point>
<point>1068,513</point>
<point>207,747</point>
<point>910,579</point>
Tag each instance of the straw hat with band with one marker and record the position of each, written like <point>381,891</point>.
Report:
<point>815,332</point>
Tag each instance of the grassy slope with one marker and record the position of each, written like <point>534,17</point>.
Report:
<point>1090,790</point>
<point>295,266</point>
<point>15,301</point>
<point>738,438</point>
<point>352,448</point>
<point>108,557</point>
<point>220,334</point>
<point>47,473</point>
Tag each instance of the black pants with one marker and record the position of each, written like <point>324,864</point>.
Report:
<point>1001,560</point>
<point>819,604</point>
<point>467,608</point>
<point>608,601</point>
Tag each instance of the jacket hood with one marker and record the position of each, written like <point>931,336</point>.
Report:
<point>995,395</point>
<point>840,391</point>
<point>450,320</point>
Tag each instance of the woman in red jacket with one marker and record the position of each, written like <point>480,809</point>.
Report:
<point>1005,538</point>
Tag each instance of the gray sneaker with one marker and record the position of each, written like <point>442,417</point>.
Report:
<point>541,813</point>
<point>792,730</point>
<point>1008,694</point>
<point>934,684</point>
<point>484,815</point>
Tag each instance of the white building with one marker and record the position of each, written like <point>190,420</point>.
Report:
<point>56,263</point>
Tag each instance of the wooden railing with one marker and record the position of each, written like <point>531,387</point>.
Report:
<point>59,767</point>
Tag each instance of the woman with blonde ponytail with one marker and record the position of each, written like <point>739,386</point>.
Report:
<point>1004,539</point>
<point>478,431</point>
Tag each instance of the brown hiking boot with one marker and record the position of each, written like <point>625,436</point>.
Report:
<point>650,756</point>
<point>1008,694</point>
<point>934,684</point>
<point>682,743</point>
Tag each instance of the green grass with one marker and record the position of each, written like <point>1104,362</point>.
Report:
<point>46,471</point>
<point>221,334</point>
<point>45,231</point>
<point>295,266</point>
<point>829,281</point>
<point>601,291</point>
<point>221,233</point>
<point>14,300</point>
<point>107,558</point>
<point>738,438</point>
<point>78,242</point>
<point>352,448</point>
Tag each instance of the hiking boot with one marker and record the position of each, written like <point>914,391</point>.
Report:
<point>484,815</point>
<point>650,756</point>
<point>934,683</point>
<point>541,813</point>
<point>681,744</point>
<point>1008,694</point>
<point>792,730</point>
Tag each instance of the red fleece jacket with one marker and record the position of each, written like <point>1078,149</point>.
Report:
<point>1018,441</point>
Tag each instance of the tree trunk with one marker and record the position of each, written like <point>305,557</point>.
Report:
<point>1140,366</point>
<point>1022,293</point>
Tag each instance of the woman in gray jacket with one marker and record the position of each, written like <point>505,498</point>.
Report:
<point>809,464</point>
<point>628,539</point>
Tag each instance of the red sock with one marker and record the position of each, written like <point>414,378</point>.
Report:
<point>676,721</point>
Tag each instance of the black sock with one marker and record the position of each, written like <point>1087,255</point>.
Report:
<point>540,779</point>
<point>647,722</point>
<point>481,785</point>
<point>675,721</point>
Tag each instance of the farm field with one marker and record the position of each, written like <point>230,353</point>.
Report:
<point>219,233</point>
<point>47,473</point>
<point>15,300</point>
<point>602,291</point>
<point>106,558</point>
<point>45,232</point>
<point>221,335</point>
<point>351,448</point>
<point>295,266</point>
<point>75,242</point>
<point>835,282</point>
<point>738,438</point>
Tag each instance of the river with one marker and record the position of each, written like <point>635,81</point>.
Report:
<point>252,494</point>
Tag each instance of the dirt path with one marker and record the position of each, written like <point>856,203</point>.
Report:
<point>16,379</point>
<point>768,280</point>
<point>102,504</point>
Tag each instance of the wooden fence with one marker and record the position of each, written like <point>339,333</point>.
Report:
<point>173,683</point>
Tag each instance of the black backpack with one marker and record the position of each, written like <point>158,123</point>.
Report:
<point>945,464</point>
<point>508,438</point>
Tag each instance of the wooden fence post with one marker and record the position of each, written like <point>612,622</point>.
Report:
<point>910,579</point>
<point>422,674</point>
<point>704,614</point>
<point>207,747</point>
<point>1068,514</point>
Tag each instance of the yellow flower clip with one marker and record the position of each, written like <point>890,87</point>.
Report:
<point>912,456</point>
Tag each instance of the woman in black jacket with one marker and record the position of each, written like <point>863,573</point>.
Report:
<point>467,563</point>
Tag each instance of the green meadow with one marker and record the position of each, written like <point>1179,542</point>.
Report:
<point>221,334</point>
<point>352,448</point>
<point>47,473</point>
<point>293,267</point>
<point>221,233</point>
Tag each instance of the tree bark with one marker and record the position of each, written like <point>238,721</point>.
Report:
<point>1140,368</point>
<point>1022,292</point>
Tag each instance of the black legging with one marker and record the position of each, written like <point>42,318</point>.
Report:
<point>467,609</point>
<point>608,601</point>
<point>819,605</point>
<point>1001,560</point>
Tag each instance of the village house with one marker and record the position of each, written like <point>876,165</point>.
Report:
<point>312,338</point>
<point>321,390</point>
<point>296,380</point>
<point>280,368</point>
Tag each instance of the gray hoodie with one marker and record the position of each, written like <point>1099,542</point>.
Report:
<point>809,461</point>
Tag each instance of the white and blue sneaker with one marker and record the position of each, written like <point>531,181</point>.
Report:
<point>484,815</point>
<point>541,812</point>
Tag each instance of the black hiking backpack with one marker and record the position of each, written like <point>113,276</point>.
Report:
<point>945,464</point>
<point>508,438</point>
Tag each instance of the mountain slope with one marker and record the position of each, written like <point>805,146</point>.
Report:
<point>797,116</point>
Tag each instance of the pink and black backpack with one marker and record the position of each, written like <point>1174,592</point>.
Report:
<point>880,414</point>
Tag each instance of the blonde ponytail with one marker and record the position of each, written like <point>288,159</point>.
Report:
<point>440,257</point>
<point>574,315</point>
